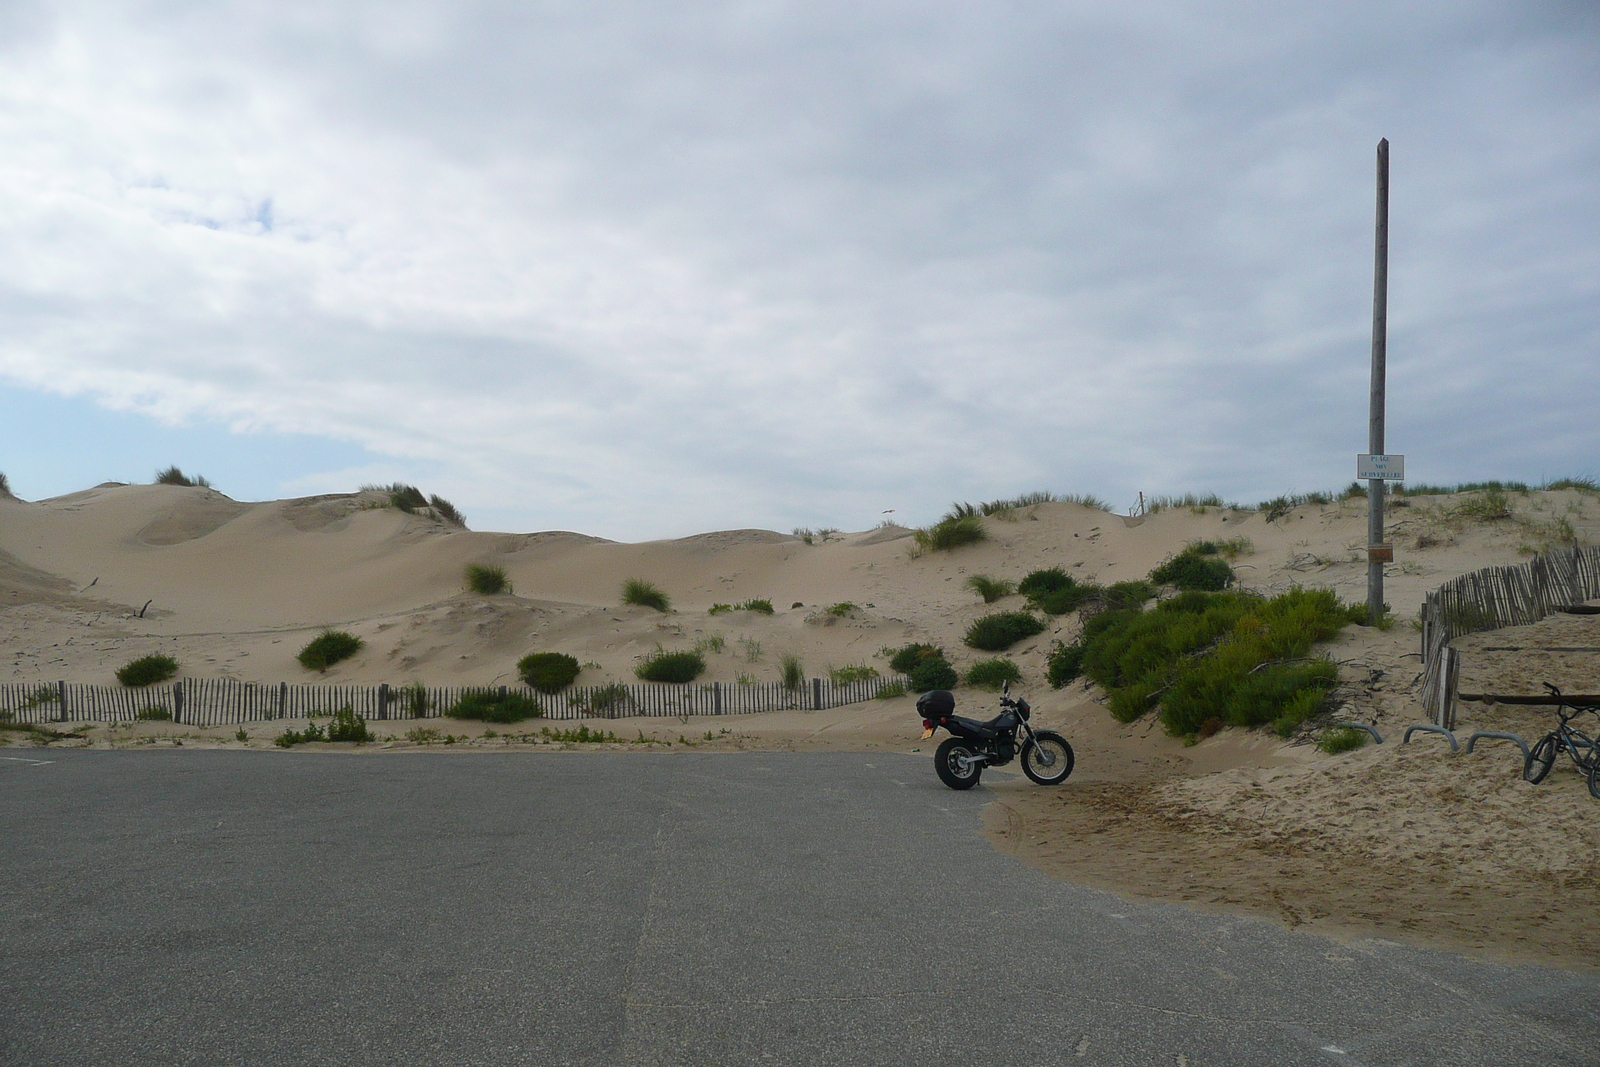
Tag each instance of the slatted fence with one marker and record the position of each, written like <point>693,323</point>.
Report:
<point>1494,597</point>
<point>222,702</point>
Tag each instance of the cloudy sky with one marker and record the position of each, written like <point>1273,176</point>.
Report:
<point>643,269</point>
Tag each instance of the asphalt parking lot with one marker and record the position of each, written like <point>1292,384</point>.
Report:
<point>234,907</point>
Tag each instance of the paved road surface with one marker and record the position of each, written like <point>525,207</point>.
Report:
<point>226,907</point>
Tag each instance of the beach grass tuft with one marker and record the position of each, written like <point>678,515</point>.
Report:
<point>643,594</point>
<point>993,673</point>
<point>548,672</point>
<point>495,705</point>
<point>487,579</point>
<point>664,666</point>
<point>993,633</point>
<point>990,589</point>
<point>173,476</point>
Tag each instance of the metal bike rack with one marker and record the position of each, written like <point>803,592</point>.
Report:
<point>1473,740</point>
<point>1373,730</point>
<point>1432,729</point>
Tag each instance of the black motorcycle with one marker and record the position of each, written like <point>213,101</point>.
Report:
<point>1046,756</point>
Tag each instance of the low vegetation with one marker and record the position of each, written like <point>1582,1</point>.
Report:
<point>1279,506</point>
<point>327,648</point>
<point>487,579</point>
<point>792,672</point>
<point>548,672</point>
<point>990,589</point>
<point>147,670</point>
<point>5,487</point>
<point>173,476</point>
<point>1199,566</point>
<point>664,666</point>
<point>760,607</point>
<point>1236,657</point>
<point>962,526</point>
<point>1040,583</point>
<point>345,725</point>
<point>842,609</point>
<point>414,700</point>
<point>891,690</point>
<point>823,536</point>
<point>855,673</point>
<point>643,594</point>
<point>410,499</point>
<point>994,633</point>
<point>495,705</point>
<point>153,713</point>
<point>1342,739</point>
<point>1064,664</point>
<point>993,673</point>
<point>925,666</point>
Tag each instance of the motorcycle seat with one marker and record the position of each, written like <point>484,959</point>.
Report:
<point>989,730</point>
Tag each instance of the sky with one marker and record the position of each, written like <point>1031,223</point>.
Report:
<point>647,269</point>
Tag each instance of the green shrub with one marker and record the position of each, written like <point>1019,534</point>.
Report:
<point>891,690</point>
<point>495,705</point>
<point>847,675</point>
<point>992,633</point>
<point>173,476</point>
<point>1064,665</point>
<point>487,579</point>
<point>1041,583</point>
<point>907,658</point>
<point>993,673</point>
<point>153,713</point>
<point>792,671</point>
<point>147,670</point>
<point>289,738</point>
<point>1130,594</point>
<point>841,609</point>
<point>1061,601</point>
<point>1198,566</point>
<point>548,672</point>
<point>933,673</point>
<point>663,666</point>
<point>5,486</point>
<point>641,593</point>
<point>1342,739</point>
<point>991,589</point>
<point>1232,656</point>
<point>328,648</point>
<point>950,532</point>
<point>346,725</point>
<point>408,498</point>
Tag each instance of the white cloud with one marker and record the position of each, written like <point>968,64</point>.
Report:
<point>643,269</point>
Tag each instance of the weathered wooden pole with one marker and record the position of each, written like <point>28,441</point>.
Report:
<point>1380,330</point>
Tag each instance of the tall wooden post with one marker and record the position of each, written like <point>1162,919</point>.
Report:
<point>1380,330</point>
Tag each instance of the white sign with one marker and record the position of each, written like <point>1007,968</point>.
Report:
<point>1388,468</point>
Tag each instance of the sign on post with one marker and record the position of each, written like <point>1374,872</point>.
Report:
<point>1386,468</point>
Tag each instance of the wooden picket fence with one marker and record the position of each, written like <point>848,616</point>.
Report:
<point>1491,598</point>
<point>224,702</point>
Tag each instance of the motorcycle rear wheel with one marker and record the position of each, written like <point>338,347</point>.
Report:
<point>947,761</point>
<point>1048,758</point>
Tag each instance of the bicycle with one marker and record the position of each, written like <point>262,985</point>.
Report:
<point>1584,750</point>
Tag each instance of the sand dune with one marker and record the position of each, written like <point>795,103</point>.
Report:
<point>235,589</point>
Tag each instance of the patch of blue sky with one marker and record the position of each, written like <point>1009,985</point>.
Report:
<point>52,445</point>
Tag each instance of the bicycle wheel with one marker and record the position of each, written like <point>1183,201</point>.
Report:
<point>1594,781</point>
<point>1541,759</point>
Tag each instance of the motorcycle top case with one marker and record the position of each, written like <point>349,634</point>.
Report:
<point>936,704</point>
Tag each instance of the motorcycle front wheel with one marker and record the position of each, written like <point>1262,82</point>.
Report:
<point>1047,759</point>
<point>948,761</point>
